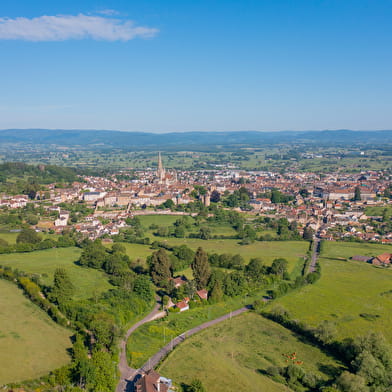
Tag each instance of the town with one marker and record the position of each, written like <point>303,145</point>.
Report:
<point>336,206</point>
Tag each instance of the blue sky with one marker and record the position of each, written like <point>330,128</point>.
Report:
<point>196,65</point>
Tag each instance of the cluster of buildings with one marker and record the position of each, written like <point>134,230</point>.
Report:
<point>325,202</point>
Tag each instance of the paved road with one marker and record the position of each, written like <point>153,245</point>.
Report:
<point>162,353</point>
<point>127,372</point>
<point>316,245</point>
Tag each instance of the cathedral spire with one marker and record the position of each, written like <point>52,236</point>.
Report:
<point>160,170</point>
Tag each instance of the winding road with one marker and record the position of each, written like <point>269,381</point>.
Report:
<point>128,373</point>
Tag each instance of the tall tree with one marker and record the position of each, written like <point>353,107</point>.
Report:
<point>357,193</point>
<point>201,268</point>
<point>28,236</point>
<point>63,289</point>
<point>160,268</point>
<point>216,292</point>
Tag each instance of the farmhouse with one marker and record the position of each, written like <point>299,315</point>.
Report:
<point>179,281</point>
<point>203,294</point>
<point>384,259</point>
<point>183,305</point>
<point>152,382</point>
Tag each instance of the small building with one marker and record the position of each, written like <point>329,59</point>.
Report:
<point>384,259</point>
<point>203,294</point>
<point>365,259</point>
<point>183,306</point>
<point>179,281</point>
<point>152,382</point>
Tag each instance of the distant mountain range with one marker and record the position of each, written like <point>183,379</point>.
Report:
<point>138,140</point>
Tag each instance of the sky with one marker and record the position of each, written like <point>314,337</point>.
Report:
<point>206,65</point>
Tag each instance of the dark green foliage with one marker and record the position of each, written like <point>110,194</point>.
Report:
<point>201,268</point>
<point>195,386</point>
<point>255,270</point>
<point>63,289</point>
<point>216,292</point>
<point>28,236</point>
<point>279,267</point>
<point>357,193</point>
<point>142,287</point>
<point>160,268</point>
<point>308,233</point>
<point>94,255</point>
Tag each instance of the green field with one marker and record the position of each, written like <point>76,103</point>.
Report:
<point>31,344</point>
<point>87,281</point>
<point>236,359</point>
<point>347,290</point>
<point>10,237</point>
<point>157,219</point>
<point>268,251</point>
<point>149,338</point>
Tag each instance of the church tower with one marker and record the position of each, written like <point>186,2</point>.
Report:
<point>160,170</point>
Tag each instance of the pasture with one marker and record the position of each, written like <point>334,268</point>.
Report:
<point>87,281</point>
<point>356,296</point>
<point>236,361</point>
<point>150,337</point>
<point>266,250</point>
<point>31,344</point>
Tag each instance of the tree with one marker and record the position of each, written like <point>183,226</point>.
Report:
<point>216,292</point>
<point>279,267</point>
<point>196,386</point>
<point>215,196</point>
<point>308,233</point>
<point>160,268</point>
<point>28,236</point>
<point>63,289</point>
<point>348,382</point>
<point>142,287</point>
<point>201,268</point>
<point>93,255</point>
<point>325,332</point>
<point>255,270</point>
<point>357,193</point>
<point>205,233</point>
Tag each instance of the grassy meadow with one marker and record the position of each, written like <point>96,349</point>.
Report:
<point>355,295</point>
<point>87,281</point>
<point>268,251</point>
<point>236,361</point>
<point>150,337</point>
<point>31,344</point>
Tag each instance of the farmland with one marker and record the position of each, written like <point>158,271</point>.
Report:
<point>44,263</point>
<point>356,296</point>
<point>31,344</point>
<point>236,360</point>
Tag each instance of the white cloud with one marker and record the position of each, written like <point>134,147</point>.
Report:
<point>64,27</point>
<point>107,12</point>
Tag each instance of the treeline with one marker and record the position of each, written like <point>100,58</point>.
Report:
<point>97,321</point>
<point>199,226</point>
<point>367,359</point>
<point>29,240</point>
<point>21,178</point>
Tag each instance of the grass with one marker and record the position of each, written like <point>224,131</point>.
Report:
<point>157,219</point>
<point>150,337</point>
<point>87,281</point>
<point>346,292</point>
<point>236,360</point>
<point>10,237</point>
<point>268,251</point>
<point>377,210</point>
<point>31,344</point>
